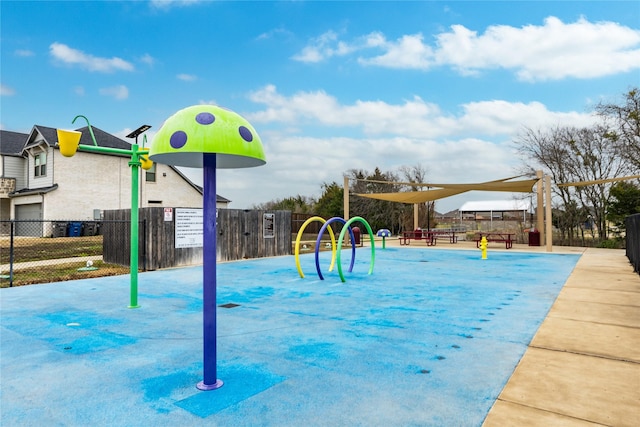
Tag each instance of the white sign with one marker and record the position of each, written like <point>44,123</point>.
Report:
<point>168,214</point>
<point>268,225</point>
<point>189,228</point>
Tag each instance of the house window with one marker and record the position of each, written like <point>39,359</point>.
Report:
<point>151,174</point>
<point>40,164</point>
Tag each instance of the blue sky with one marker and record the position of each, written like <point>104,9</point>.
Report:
<point>329,86</point>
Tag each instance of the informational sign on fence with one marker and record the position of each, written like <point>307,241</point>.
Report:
<point>268,225</point>
<point>168,214</point>
<point>189,228</point>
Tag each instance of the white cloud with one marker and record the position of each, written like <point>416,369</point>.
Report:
<point>79,90</point>
<point>118,92</point>
<point>209,102</point>
<point>166,4</point>
<point>67,55</point>
<point>408,52</point>
<point>187,77</point>
<point>148,59</point>
<point>414,118</point>
<point>6,90</point>
<point>326,46</point>
<point>552,51</point>
<point>274,33</point>
<point>24,53</point>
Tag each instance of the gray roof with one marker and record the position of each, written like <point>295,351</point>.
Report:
<point>50,135</point>
<point>103,138</point>
<point>12,143</point>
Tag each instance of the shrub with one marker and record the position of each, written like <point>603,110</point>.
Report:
<point>611,244</point>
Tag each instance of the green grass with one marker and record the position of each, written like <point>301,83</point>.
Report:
<point>33,249</point>
<point>62,272</point>
<point>40,248</point>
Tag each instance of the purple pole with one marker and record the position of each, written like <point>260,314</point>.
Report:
<point>210,381</point>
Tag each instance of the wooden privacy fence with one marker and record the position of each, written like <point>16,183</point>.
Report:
<point>241,234</point>
<point>297,219</point>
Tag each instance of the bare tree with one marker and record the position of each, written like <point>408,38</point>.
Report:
<point>595,158</point>
<point>547,150</point>
<point>624,119</point>
<point>570,154</point>
<point>426,213</point>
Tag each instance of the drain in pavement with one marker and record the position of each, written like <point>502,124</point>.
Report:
<point>229,305</point>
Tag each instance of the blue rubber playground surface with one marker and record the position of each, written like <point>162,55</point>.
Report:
<point>429,339</point>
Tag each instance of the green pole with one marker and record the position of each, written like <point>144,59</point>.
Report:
<point>134,163</point>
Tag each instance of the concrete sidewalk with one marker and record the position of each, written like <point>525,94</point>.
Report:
<point>583,366</point>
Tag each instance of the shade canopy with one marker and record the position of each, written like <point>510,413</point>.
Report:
<point>188,134</point>
<point>598,181</point>
<point>447,190</point>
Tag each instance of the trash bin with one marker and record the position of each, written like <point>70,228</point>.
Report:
<point>417,233</point>
<point>356,235</point>
<point>534,237</point>
<point>60,229</point>
<point>75,229</point>
<point>89,228</point>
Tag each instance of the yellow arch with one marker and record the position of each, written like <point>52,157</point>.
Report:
<point>299,237</point>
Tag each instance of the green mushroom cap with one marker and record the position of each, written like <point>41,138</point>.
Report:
<point>188,134</point>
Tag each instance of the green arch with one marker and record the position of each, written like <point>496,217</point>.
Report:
<point>345,227</point>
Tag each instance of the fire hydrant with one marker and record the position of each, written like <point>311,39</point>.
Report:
<point>483,247</point>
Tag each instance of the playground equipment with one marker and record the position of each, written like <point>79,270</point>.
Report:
<point>69,144</point>
<point>483,247</point>
<point>333,247</point>
<point>207,136</point>
<point>296,248</point>
<point>373,246</point>
<point>345,228</point>
<point>89,267</point>
<point>384,233</point>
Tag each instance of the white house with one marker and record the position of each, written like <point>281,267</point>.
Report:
<point>37,182</point>
<point>495,209</point>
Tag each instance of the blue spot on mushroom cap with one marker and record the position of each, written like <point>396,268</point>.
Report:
<point>205,118</point>
<point>245,134</point>
<point>178,139</point>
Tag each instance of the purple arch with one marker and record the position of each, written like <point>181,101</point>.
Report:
<point>322,230</point>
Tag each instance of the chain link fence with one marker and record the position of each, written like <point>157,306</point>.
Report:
<point>43,251</point>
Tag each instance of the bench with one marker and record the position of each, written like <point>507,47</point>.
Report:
<point>507,238</point>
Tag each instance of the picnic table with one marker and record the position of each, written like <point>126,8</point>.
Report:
<point>418,235</point>
<point>507,238</point>
<point>444,234</point>
<point>429,236</point>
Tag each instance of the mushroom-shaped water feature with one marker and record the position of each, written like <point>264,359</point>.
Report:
<point>208,136</point>
<point>384,233</point>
